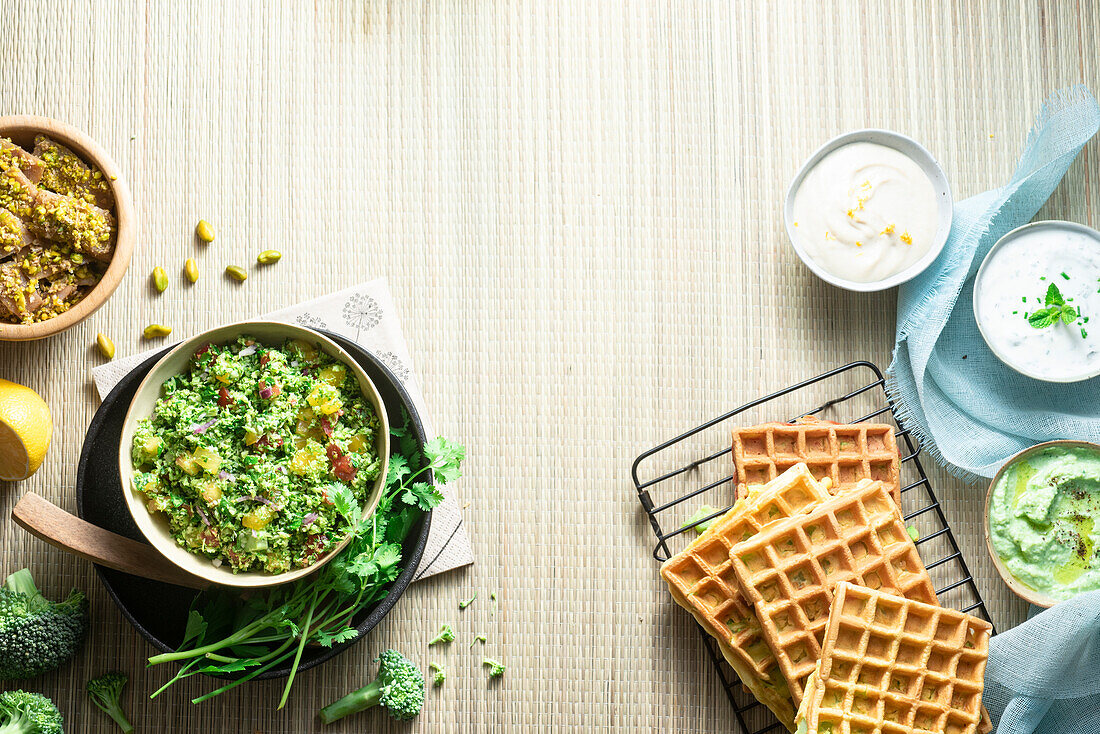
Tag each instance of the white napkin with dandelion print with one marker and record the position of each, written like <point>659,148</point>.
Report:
<point>364,314</point>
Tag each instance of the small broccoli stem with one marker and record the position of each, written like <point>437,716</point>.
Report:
<point>115,712</point>
<point>356,701</point>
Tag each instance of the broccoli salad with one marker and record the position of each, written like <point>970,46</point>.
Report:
<point>261,457</point>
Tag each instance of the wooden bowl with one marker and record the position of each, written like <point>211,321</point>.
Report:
<point>155,526</point>
<point>21,129</point>
<point>1019,588</point>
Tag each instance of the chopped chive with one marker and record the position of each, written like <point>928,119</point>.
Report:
<point>1065,276</point>
<point>1084,334</point>
<point>1042,277</point>
<point>1015,312</point>
<point>1023,299</point>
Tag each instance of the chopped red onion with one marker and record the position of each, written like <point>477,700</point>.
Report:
<point>226,476</point>
<point>266,393</point>
<point>251,349</point>
<point>205,520</point>
<point>198,428</point>
<point>308,519</point>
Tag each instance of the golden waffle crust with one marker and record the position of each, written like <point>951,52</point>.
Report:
<point>896,666</point>
<point>846,454</point>
<point>788,571</point>
<point>701,580</point>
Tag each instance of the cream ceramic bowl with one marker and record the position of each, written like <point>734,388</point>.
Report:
<point>154,526</point>
<point>21,129</point>
<point>1019,588</point>
<point>912,150</point>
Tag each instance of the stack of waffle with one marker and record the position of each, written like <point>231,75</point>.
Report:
<point>763,580</point>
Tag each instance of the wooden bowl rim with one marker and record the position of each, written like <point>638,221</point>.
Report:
<point>83,145</point>
<point>1017,587</point>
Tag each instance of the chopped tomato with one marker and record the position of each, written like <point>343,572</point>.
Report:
<point>326,426</point>
<point>224,401</point>
<point>264,359</point>
<point>341,464</point>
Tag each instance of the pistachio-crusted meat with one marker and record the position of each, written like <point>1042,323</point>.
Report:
<point>12,156</point>
<point>64,173</point>
<point>66,220</point>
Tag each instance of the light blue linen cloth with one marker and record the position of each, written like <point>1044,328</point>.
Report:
<point>971,414</point>
<point>1044,676</point>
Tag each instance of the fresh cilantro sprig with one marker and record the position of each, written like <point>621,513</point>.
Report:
<point>226,633</point>
<point>1055,310</point>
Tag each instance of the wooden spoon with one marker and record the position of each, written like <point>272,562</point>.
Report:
<point>50,523</point>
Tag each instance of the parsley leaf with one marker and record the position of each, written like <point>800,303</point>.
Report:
<point>399,469</point>
<point>445,458</point>
<point>423,495</point>
<point>344,501</point>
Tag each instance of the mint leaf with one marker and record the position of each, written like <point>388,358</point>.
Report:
<point>1069,314</point>
<point>1054,296</point>
<point>1044,317</point>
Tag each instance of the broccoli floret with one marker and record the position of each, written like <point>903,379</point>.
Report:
<point>399,688</point>
<point>479,638</point>
<point>36,634</point>
<point>439,675</point>
<point>23,712</point>
<point>105,692</point>
<point>468,602</point>
<point>446,634</point>
<point>496,669</point>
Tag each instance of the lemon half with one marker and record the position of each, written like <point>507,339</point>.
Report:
<point>25,430</point>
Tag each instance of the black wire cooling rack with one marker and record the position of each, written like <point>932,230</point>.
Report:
<point>696,469</point>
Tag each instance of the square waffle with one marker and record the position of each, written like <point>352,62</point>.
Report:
<point>702,582</point>
<point>846,454</point>
<point>789,569</point>
<point>896,666</point>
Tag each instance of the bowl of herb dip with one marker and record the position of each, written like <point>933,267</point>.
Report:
<point>250,453</point>
<point>1042,521</point>
<point>1034,296</point>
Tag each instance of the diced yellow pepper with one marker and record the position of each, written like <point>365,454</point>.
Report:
<point>250,437</point>
<point>152,445</point>
<point>211,492</point>
<point>258,518</point>
<point>333,375</point>
<point>324,400</point>
<point>307,351</point>
<point>186,462</point>
<point>208,459</point>
<point>304,461</point>
<point>358,443</point>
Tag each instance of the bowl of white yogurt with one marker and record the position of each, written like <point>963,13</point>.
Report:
<point>869,210</point>
<point>1037,301</point>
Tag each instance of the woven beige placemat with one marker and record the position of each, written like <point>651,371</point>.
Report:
<point>366,315</point>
